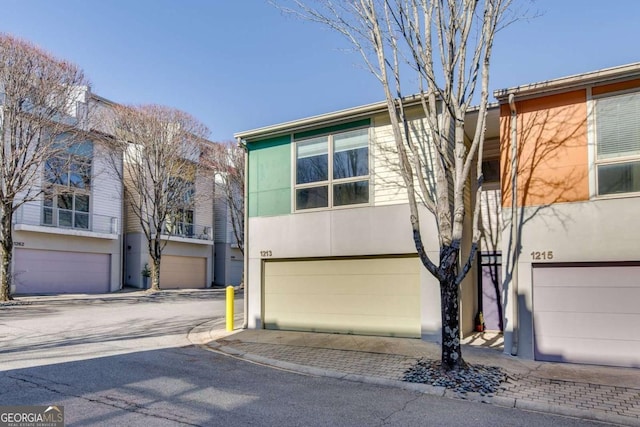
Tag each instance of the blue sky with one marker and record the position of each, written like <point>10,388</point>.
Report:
<point>240,64</point>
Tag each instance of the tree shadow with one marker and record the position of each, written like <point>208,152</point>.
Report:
<point>186,385</point>
<point>552,169</point>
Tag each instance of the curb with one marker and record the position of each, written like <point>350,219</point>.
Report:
<point>508,402</point>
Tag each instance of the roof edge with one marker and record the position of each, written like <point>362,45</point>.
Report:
<point>321,119</point>
<point>573,81</point>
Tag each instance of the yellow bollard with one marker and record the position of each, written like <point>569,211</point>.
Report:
<point>230,292</point>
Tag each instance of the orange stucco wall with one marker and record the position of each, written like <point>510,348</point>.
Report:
<point>552,149</point>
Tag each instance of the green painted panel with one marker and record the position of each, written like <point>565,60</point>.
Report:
<point>269,142</point>
<point>253,171</point>
<point>332,129</point>
<point>274,202</point>
<point>253,204</point>
<point>270,177</point>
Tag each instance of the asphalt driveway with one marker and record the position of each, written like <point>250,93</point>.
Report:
<point>36,331</point>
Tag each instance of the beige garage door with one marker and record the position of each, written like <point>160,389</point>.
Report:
<point>377,296</point>
<point>183,272</point>
<point>587,313</point>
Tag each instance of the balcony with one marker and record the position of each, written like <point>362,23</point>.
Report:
<point>188,233</point>
<point>36,217</point>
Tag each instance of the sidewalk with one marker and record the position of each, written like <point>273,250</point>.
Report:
<point>600,393</point>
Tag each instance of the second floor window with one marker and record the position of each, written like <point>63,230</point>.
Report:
<point>617,120</point>
<point>180,218</point>
<point>68,188</point>
<point>332,170</point>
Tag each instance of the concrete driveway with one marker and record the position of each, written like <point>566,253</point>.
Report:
<point>37,331</point>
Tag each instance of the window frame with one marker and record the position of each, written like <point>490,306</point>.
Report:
<point>592,125</point>
<point>70,163</point>
<point>177,219</point>
<point>55,209</point>
<point>330,182</point>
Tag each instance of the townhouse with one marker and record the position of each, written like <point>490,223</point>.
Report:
<point>570,156</point>
<point>80,236</point>
<point>70,240</point>
<point>329,244</point>
<point>328,237</point>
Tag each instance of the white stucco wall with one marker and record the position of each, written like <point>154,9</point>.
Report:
<point>383,230</point>
<point>594,231</point>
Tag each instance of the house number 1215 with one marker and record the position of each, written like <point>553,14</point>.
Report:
<point>536,255</point>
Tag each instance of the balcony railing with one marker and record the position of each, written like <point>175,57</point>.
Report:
<point>188,231</point>
<point>39,215</point>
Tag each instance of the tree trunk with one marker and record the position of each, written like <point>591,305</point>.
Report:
<point>6,253</point>
<point>449,300</point>
<point>155,274</point>
<point>155,250</point>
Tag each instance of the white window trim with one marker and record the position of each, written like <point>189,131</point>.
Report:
<point>592,147</point>
<point>330,182</point>
<point>591,144</point>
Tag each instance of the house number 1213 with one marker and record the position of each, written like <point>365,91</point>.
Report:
<point>265,253</point>
<point>544,255</point>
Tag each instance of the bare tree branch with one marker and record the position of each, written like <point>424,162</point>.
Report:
<point>159,148</point>
<point>43,112</point>
<point>447,47</point>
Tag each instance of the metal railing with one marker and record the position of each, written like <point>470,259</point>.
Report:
<point>187,230</point>
<point>36,214</point>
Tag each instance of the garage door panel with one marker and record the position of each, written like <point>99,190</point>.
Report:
<point>403,284</point>
<point>42,271</point>
<point>340,304</point>
<point>364,296</point>
<point>355,267</point>
<point>587,326</point>
<point>627,276</point>
<point>587,314</point>
<point>586,350</point>
<point>352,324</point>
<point>182,272</point>
<point>589,300</point>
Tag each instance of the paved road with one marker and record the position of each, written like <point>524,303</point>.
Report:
<point>46,330</point>
<point>127,361</point>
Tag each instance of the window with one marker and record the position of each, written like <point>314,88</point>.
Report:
<point>332,170</point>
<point>66,200</point>
<point>618,144</point>
<point>491,174</point>
<point>180,219</point>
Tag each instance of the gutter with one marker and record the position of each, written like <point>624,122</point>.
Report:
<point>514,224</point>
<point>606,75</point>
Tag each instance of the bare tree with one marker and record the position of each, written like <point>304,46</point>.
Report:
<point>160,150</point>
<point>445,46</point>
<point>40,118</point>
<point>227,162</point>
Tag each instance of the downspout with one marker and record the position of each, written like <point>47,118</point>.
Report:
<point>245,258</point>
<point>514,225</point>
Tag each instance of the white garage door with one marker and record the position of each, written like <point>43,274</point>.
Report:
<point>587,313</point>
<point>376,296</point>
<point>183,272</point>
<point>47,272</point>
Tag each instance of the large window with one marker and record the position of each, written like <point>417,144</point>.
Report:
<point>332,170</point>
<point>67,197</point>
<point>180,219</point>
<point>618,144</point>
